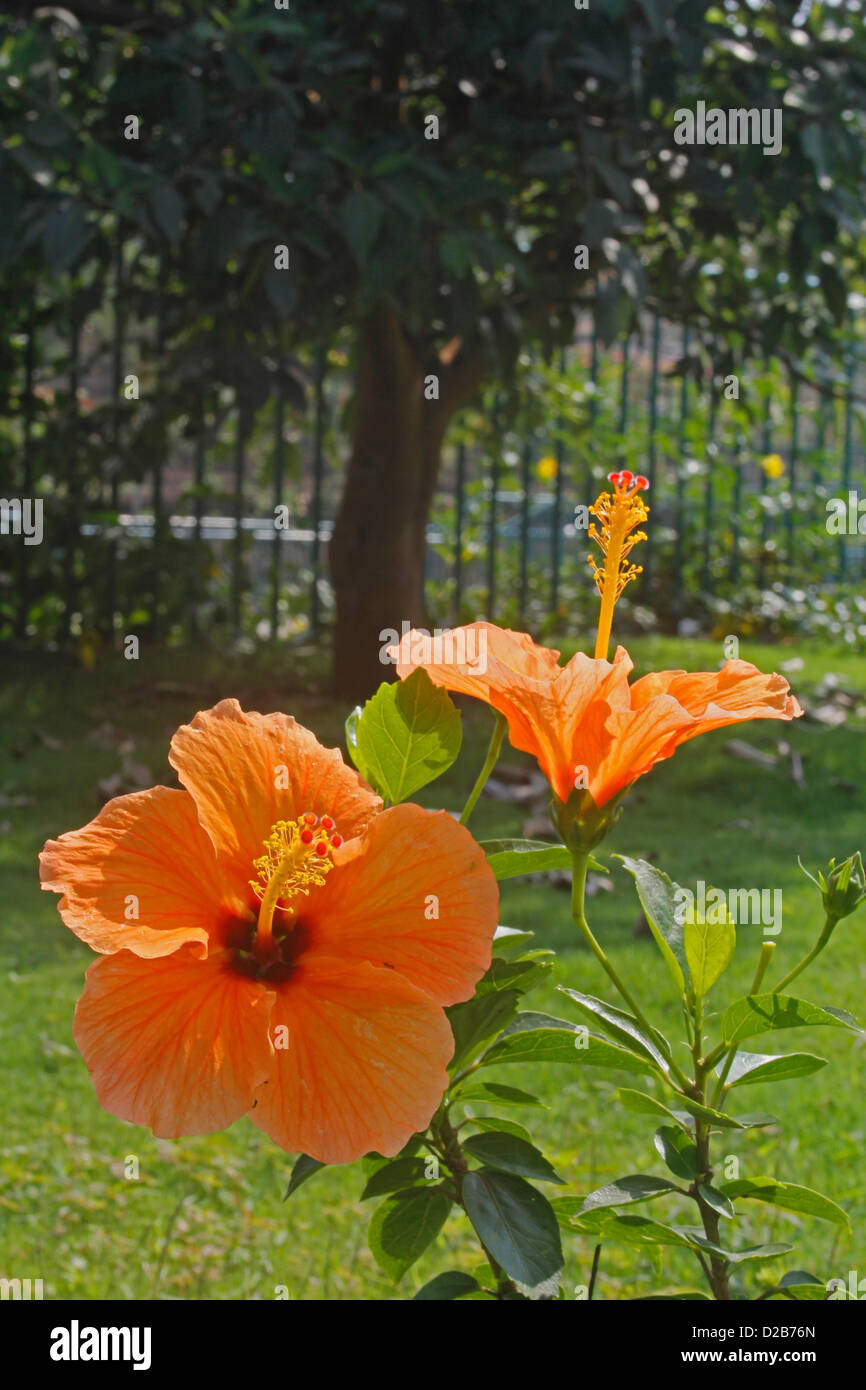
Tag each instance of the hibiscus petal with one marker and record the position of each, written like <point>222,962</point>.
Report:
<point>177,1044</point>
<point>143,853</point>
<point>415,892</point>
<point>365,1066</point>
<point>714,698</point>
<point>497,656</point>
<point>246,771</point>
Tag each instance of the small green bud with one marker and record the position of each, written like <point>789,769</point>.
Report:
<point>843,886</point>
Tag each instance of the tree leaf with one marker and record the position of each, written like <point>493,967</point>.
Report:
<point>709,948</point>
<point>789,1196</point>
<point>516,1224</point>
<point>637,1187</point>
<point>498,1149</point>
<point>717,1200</point>
<point>407,734</point>
<point>478,1022</point>
<point>304,1167</point>
<point>765,1013</point>
<point>361,216</point>
<point>494,1093</point>
<point>404,1225</point>
<point>453,1284</point>
<point>641,1103</point>
<point>556,1041</point>
<point>657,898</point>
<point>678,1151</point>
<point>508,858</point>
<point>395,1176</point>
<point>749,1068</point>
<point>623,1027</point>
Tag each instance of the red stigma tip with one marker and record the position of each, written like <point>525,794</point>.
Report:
<point>306,837</point>
<point>321,849</point>
<point>336,841</point>
<point>327,823</point>
<point>641,482</point>
<point>626,477</point>
<point>614,478</point>
<point>310,817</point>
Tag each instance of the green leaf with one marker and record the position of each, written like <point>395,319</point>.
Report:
<point>717,1200</point>
<point>748,1068</point>
<point>304,1168</point>
<point>517,974</point>
<point>557,1041</point>
<point>498,1149</point>
<point>494,1123</point>
<point>508,858</point>
<point>637,1187</point>
<point>453,1284</point>
<point>643,1104</point>
<point>508,939</point>
<point>657,895</point>
<point>736,1257</point>
<point>709,948</point>
<point>403,1227</point>
<point>494,1093</point>
<point>396,1176</point>
<point>766,1013</point>
<point>678,1151</point>
<point>631,1229</point>
<point>361,217</point>
<point>477,1022</point>
<point>516,1224</point>
<point>64,237</point>
<point>407,734</point>
<point>167,207</point>
<point>623,1027</point>
<point>789,1196</point>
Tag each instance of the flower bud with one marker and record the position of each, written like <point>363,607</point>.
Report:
<point>843,886</point>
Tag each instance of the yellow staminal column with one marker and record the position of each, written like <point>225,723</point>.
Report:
<point>619,513</point>
<point>296,859</point>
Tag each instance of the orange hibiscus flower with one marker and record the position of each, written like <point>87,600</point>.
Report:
<point>587,727</point>
<point>273,943</point>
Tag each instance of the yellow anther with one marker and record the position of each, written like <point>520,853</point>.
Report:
<point>619,513</point>
<point>297,858</point>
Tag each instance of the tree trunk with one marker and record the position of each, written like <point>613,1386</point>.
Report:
<point>377,549</point>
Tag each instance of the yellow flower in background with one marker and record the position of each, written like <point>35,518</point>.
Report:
<point>547,468</point>
<point>773,465</point>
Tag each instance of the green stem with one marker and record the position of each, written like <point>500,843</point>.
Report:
<point>766,956</point>
<point>489,763</point>
<point>816,950</point>
<point>717,1273</point>
<point>446,1137</point>
<point>578,897</point>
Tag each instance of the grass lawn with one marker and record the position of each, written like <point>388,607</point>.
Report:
<point>205,1217</point>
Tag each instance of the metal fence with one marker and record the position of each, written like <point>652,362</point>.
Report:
<point>224,526</point>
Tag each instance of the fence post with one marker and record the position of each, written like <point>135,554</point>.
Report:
<point>73,519</point>
<point>459,501</point>
<point>846,455</point>
<point>524,530</point>
<point>792,469</point>
<point>241,430</point>
<point>709,495</point>
<point>680,480</point>
<point>23,609</point>
<point>556,521</point>
<point>318,463</point>
<point>492,507</point>
<point>279,458</point>
<point>651,441</point>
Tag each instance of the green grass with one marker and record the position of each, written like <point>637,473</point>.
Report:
<point>205,1217</point>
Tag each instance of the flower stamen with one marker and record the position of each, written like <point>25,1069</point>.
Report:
<point>618,513</point>
<point>296,859</point>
